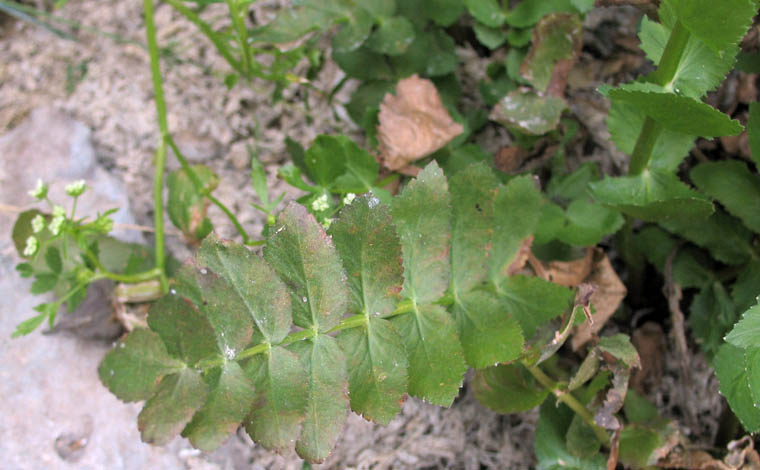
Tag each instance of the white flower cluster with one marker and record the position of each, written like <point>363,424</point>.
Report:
<point>320,204</point>
<point>76,188</point>
<point>348,199</point>
<point>32,245</point>
<point>59,217</point>
<point>40,190</point>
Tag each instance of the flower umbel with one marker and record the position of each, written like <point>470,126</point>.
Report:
<point>320,204</point>
<point>32,245</point>
<point>59,216</point>
<point>76,188</point>
<point>348,199</point>
<point>40,190</point>
<point>38,223</point>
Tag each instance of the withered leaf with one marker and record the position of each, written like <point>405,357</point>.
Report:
<point>609,293</point>
<point>571,273</point>
<point>413,123</point>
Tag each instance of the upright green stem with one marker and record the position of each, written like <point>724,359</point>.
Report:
<point>568,399</point>
<point>160,159</point>
<point>664,76</point>
<point>242,36</point>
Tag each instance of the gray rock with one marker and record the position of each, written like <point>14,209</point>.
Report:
<point>55,412</point>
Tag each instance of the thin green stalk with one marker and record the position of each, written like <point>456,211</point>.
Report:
<point>241,33</point>
<point>160,159</point>
<point>206,29</point>
<point>199,187</point>
<point>568,399</point>
<point>664,76</point>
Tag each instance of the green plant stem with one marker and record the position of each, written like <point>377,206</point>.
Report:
<point>206,29</point>
<point>354,321</point>
<point>160,158</point>
<point>241,34</point>
<point>568,399</point>
<point>664,76</point>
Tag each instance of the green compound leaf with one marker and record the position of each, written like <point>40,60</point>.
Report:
<point>279,403</point>
<point>732,184</point>
<point>53,260</point>
<point>436,359</point>
<point>529,12</point>
<point>305,259</point>
<point>625,123</point>
<point>392,37</point>
<point>229,397</point>
<point>746,288</point>
<point>753,131</point>
<point>327,400</point>
<point>517,209</point>
<point>176,400</point>
<point>355,30</point>
<point>525,111</point>
<point>723,27</point>
<point>752,366</point>
<point>620,347</point>
<point>734,385</point>
<point>421,213</point>
<point>724,236</point>
<point>586,223</point>
<point>186,205</point>
<point>490,37</point>
<point>337,163</point>
<point>508,389</point>
<point>377,369</point>
<point>519,295</point>
<point>700,69</point>
<point>134,367</point>
<point>366,240</point>
<point>182,326</point>
<point>473,192</point>
<point>488,12</point>
<point>669,110</point>
<point>551,448</point>
<point>746,333</point>
<point>489,334</point>
<point>712,313</point>
<point>653,196</point>
<point>253,286</point>
<point>556,39</point>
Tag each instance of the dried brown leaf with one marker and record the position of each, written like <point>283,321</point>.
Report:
<point>571,273</point>
<point>649,341</point>
<point>413,123</point>
<point>610,292</point>
<point>521,257</point>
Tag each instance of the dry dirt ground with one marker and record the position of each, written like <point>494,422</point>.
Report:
<point>213,125</point>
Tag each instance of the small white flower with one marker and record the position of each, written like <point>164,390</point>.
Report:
<point>56,224</point>
<point>76,188</point>
<point>40,190</point>
<point>320,204</point>
<point>38,223</point>
<point>59,211</point>
<point>348,199</point>
<point>326,224</point>
<point>32,245</point>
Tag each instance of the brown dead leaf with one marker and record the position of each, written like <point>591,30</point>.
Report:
<point>571,273</point>
<point>649,341</point>
<point>510,159</point>
<point>413,123</point>
<point>610,292</point>
<point>691,459</point>
<point>523,253</point>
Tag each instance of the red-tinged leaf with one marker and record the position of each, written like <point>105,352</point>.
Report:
<point>436,359</point>
<point>280,399</point>
<point>422,216</point>
<point>304,257</point>
<point>377,369</point>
